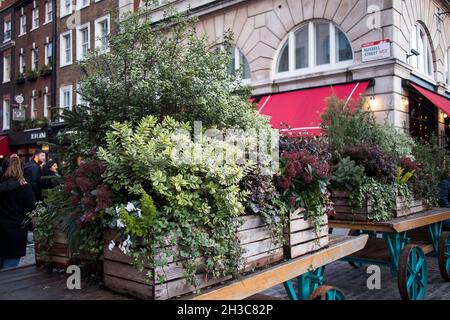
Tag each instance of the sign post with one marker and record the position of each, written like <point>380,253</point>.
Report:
<point>19,113</point>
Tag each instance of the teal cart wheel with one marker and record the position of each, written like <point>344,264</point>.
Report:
<point>327,293</point>
<point>444,255</point>
<point>412,273</point>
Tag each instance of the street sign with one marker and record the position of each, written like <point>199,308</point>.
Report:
<point>376,50</point>
<point>19,99</point>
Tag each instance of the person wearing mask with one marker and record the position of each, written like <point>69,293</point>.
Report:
<point>444,199</point>
<point>14,205</point>
<point>33,173</point>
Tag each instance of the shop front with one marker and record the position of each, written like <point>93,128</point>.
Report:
<point>26,142</point>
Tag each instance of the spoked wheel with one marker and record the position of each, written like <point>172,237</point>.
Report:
<point>444,255</point>
<point>327,293</point>
<point>412,273</point>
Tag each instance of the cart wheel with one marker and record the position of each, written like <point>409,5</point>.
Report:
<point>327,293</point>
<point>444,255</point>
<point>412,273</point>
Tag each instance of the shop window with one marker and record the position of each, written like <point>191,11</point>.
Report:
<point>315,46</point>
<point>422,117</point>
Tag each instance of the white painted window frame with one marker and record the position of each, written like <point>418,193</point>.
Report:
<point>97,30</point>
<point>46,51</point>
<point>80,4</point>
<point>63,49</point>
<point>48,13</point>
<point>62,91</point>
<point>5,30</point>
<point>22,25</point>
<point>6,114</point>
<point>312,67</point>
<point>6,68</point>
<point>63,12</point>
<point>79,38</point>
<point>421,43</point>
<point>34,19</point>
<point>34,59</point>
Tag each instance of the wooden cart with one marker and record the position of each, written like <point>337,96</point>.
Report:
<point>402,244</point>
<point>307,270</point>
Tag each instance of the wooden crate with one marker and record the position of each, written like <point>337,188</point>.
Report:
<point>301,238</point>
<point>122,277</point>
<point>344,210</point>
<point>57,256</point>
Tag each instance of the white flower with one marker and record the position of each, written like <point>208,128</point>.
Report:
<point>120,224</point>
<point>111,246</point>
<point>130,207</point>
<point>125,246</point>
<point>139,213</point>
<point>117,209</point>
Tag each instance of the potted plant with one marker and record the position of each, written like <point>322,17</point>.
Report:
<point>20,79</point>
<point>45,70</point>
<point>31,75</point>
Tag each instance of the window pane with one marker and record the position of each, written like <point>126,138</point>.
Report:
<point>322,32</point>
<point>301,48</point>
<point>283,63</point>
<point>343,48</point>
<point>245,67</point>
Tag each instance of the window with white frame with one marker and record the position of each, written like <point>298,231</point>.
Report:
<point>46,103</point>
<point>22,64</point>
<point>6,68</point>
<point>82,4</point>
<point>66,7</point>
<point>23,25</point>
<point>34,59</point>
<point>239,63</point>
<point>48,48</point>
<point>65,96</point>
<point>315,46</point>
<point>35,18</point>
<point>6,114</point>
<point>81,101</point>
<point>420,42</point>
<point>7,31</point>
<point>48,11</point>
<point>102,29</point>
<point>33,111</point>
<point>82,41</point>
<point>66,48</point>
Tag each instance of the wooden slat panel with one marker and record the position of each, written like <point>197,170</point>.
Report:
<point>252,235</point>
<point>302,224</point>
<point>124,271</point>
<point>308,247</point>
<point>142,291</point>
<point>255,248</point>
<point>307,235</point>
<point>263,259</point>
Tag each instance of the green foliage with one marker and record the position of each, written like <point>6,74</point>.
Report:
<point>347,175</point>
<point>344,126</point>
<point>149,70</point>
<point>140,226</point>
<point>404,176</point>
<point>381,197</point>
<point>45,225</point>
<point>197,194</point>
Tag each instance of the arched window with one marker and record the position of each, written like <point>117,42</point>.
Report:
<point>314,46</point>
<point>239,63</point>
<point>420,42</point>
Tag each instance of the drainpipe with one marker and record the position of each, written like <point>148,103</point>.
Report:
<point>54,53</point>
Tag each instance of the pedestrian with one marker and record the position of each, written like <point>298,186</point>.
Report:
<point>444,199</point>
<point>14,205</point>
<point>50,176</point>
<point>7,185</point>
<point>33,173</point>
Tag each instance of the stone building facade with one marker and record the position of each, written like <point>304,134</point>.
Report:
<point>263,29</point>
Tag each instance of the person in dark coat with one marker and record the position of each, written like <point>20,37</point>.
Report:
<point>14,205</point>
<point>444,199</point>
<point>33,173</point>
<point>7,185</point>
<point>50,176</point>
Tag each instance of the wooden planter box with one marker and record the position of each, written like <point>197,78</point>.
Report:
<point>301,238</point>
<point>344,211</point>
<point>57,256</point>
<point>122,277</point>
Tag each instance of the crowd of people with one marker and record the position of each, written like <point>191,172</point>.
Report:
<point>20,189</point>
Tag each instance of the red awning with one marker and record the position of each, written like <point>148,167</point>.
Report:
<point>300,110</point>
<point>436,99</point>
<point>4,146</point>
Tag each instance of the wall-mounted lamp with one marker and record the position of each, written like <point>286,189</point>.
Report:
<point>445,116</point>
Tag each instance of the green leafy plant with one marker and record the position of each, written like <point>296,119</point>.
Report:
<point>347,175</point>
